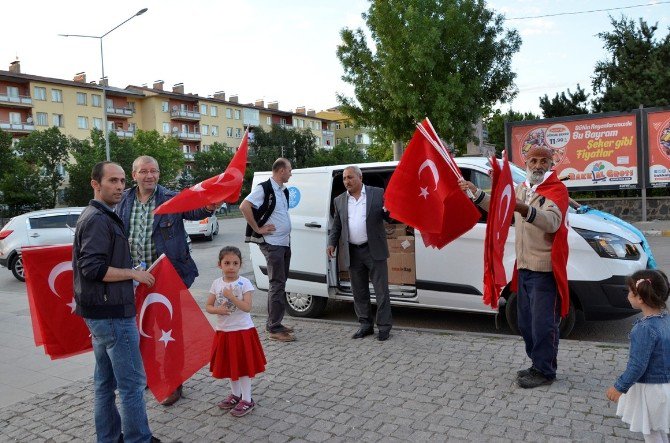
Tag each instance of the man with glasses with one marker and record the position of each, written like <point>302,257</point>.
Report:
<point>151,235</point>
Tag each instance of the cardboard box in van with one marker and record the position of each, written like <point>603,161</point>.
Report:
<point>402,268</point>
<point>403,243</point>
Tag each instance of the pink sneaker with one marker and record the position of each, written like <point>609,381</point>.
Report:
<point>242,408</point>
<point>229,402</point>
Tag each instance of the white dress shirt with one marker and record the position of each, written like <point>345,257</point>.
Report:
<point>358,233</point>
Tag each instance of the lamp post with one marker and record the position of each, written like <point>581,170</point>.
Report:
<point>105,129</point>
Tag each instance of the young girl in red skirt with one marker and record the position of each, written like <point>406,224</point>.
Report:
<point>237,353</point>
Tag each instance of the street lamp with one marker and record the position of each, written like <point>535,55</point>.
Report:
<point>102,62</point>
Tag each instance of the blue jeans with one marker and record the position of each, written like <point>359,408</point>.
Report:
<point>118,364</point>
<point>538,317</point>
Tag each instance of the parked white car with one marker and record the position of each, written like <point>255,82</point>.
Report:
<point>602,254</point>
<point>38,228</point>
<point>206,228</point>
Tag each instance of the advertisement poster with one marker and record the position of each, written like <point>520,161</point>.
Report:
<point>590,152</point>
<point>658,133</point>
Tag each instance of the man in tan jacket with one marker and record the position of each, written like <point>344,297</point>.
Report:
<point>541,259</point>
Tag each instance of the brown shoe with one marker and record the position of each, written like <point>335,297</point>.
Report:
<point>288,329</point>
<point>281,336</point>
<point>172,398</point>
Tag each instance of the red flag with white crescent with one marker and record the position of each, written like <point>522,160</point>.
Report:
<point>50,290</point>
<point>224,187</point>
<point>501,211</point>
<point>424,193</point>
<point>175,336</point>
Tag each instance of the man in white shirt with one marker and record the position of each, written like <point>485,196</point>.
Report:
<point>269,225</point>
<point>358,230</point>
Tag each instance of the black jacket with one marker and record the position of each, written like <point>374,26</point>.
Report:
<point>100,242</point>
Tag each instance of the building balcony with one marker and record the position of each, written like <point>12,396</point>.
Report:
<point>22,101</point>
<point>122,133</point>
<point>17,128</point>
<point>180,114</point>
<point>183,135</point>
<point>120,112</point>
<point>327,133</point>
<point>189,156</point>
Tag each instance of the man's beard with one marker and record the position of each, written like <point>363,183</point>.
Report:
<point>534,177</point>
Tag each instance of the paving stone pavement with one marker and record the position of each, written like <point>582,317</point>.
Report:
<point>418,386</point>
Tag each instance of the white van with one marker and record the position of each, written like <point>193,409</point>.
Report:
<point>602,254</point>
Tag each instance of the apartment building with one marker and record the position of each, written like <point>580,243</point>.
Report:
<point>30,102</point>
<point>343,128</point>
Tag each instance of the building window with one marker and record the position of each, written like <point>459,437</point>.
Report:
<point>97,123</point>
<point>96,100</point>
<point>229,113</point>
<point>237,114</point>
<point>215,131</point>
<point>40,93</point>
<point>229,132</point>
<point>166,128</point>
<point>359,138</point>
<point>13,91</point>
<point>204,129</point>
<point>82,122</point>
<point>165,106</point>
<point>42,119</point>
<point>81,98</point>
<point>57,95</point>
<point>346,140</point>
<point>15,118</point>
<point>338,141</point>
<point>337,126</point>
<point>203,109</point>
<point>268,120</point>
<point>57,120</point>
<point>214,111</point>
<point>110,103</point>
<point>205,148</point>
<point>238,133</point>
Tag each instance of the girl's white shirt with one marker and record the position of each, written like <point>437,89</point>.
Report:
<point>238,320</point>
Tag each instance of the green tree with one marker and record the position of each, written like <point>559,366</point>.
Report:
<point>85,154</point>
<point>25,189</point>
<point>570,103</point>
<point>294,144</point>
<point>166,150</point>
<point>7,153</point>
<point>48,151</point>
<point>449,60</point>
<point>212,162</point>
<point>341,154</point>
<point>495,125</point>
<point>636,70</point>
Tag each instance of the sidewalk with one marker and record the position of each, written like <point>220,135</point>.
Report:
<point>418,386</point>
<point>654,228</point>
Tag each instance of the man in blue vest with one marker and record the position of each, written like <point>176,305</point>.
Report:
<point>269,226</point>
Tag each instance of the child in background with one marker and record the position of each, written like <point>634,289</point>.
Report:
<point>237,353</point>
<point>643,390</point>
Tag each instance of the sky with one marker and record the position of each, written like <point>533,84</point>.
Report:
<point>280,51</point>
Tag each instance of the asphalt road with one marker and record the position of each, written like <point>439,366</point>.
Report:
<point>231,233</point>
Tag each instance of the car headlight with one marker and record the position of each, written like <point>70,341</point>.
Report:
<point>609,245</point>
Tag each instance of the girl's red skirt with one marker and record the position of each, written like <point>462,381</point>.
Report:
<point>237,354</point>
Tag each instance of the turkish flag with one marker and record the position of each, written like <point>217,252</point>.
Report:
<point>175,336</point>
<point>50,290</point>
<point>501,211</point>
<point>424,193</point>
<point>225,187</point>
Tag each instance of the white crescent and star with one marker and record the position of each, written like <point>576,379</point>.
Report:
<point>428,163</point>
<point>199,188</point>
<point>152,298</point>
<point>506,200</point>
<point>53,275</point>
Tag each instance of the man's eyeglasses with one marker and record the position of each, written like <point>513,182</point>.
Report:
<point>150,171</point>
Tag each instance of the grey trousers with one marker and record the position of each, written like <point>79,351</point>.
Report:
<point>278,259</point>
<point>362,269</point>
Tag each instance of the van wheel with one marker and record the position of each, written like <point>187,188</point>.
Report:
<point>565,326</point>
<point>16,265</point>
<point>305,305</point>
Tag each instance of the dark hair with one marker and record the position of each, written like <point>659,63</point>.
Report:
<point>98,170</point>
<point>651,285</point>
<point>280,163</point>
<point>230,250</point>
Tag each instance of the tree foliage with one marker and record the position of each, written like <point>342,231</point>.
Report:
<point>449,60</point>
<point>570,103</point>
<point>340,154</point>
<point>166,150</point>
<point>495,125</point>
<point>212,162</point>
<point>294,144</point>
<point>47,151</point>
<point>636,71</point>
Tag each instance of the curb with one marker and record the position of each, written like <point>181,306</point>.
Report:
<point>656,233</point>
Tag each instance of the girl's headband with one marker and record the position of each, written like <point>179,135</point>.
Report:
<point>637,283</point>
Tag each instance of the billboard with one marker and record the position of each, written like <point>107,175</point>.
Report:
<point>592,152</point>
<point>658,140</point>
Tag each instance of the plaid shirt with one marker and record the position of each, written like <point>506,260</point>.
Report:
<point>142,246</point>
